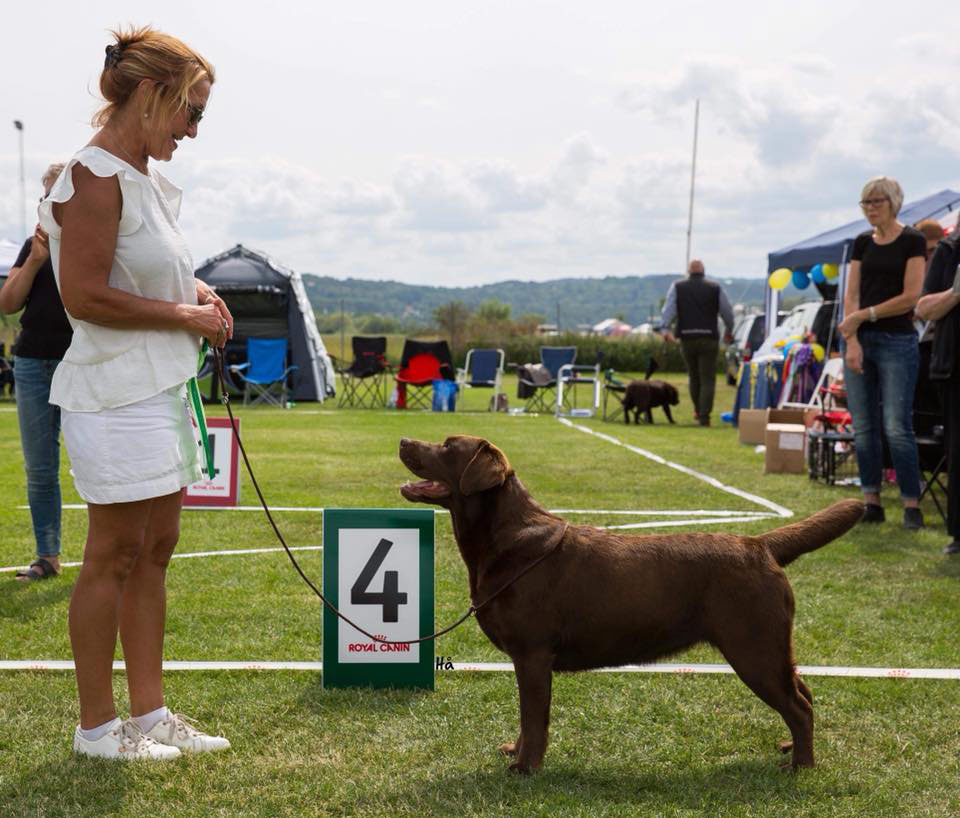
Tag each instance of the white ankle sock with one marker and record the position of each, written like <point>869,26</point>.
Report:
<point>98,732</point>
<point>147,721</point>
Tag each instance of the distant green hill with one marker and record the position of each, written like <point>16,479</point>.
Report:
<point>578,300</point>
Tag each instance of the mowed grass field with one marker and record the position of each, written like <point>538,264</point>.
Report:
<point>622,744</point>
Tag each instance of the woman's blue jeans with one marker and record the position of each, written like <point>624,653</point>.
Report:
<point>880,400</point>
<point>40,438</point>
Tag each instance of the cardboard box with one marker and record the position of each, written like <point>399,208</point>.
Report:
<point>785,448</point>
<point>752,423</point>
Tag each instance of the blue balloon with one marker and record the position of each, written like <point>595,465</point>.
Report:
<point>816,273</point>
<point>800,280</point>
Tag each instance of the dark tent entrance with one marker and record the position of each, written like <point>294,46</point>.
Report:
<point>269,301</point>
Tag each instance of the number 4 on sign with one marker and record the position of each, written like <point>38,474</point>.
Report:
<point>390,597</point>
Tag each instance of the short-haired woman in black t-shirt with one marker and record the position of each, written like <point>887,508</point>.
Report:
<point>881,353</point>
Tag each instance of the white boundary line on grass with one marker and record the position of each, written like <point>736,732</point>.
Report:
<point>620,512</point>
<point>506,667</point>
<point>190,555</point>
<point>779,510</point>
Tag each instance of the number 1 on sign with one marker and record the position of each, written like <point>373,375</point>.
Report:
<point>391,598</point>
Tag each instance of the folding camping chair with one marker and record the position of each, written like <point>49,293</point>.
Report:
<point>265,373</point>
<point>422,363</point>
<point>483,368</point>
<point>364,382</point>
<point>569,377</point>
<point>539,385</point>
<point>612,384</point>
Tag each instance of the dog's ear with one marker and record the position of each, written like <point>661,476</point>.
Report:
<point>488,468</point>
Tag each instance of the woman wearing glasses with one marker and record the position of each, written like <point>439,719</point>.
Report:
<point>881,356</point>
<point>138,314</point>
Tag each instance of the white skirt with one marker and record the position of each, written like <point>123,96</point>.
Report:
<point>135,452</point>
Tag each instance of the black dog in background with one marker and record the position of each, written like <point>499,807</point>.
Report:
<point>643,396</point>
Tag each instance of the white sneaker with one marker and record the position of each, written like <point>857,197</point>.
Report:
<point>176,731</point>
<point>127,742</point>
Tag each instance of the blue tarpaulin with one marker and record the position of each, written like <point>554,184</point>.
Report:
<point>835,245</point>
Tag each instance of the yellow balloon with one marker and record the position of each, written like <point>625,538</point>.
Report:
<point>780,278</point>
<point>830,271</point>
<point>817,352</point>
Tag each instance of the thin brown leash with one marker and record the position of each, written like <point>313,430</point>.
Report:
<point>218,368</point>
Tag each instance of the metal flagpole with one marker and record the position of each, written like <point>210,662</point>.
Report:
<point>23,185</point>
<point>693,176</point>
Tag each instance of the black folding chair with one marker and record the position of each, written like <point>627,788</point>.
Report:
<point>363,384</point>
<point>539,386</point>
<point>422,363</point>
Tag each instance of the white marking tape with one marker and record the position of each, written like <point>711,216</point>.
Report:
<point>187,556</point>
<point>632,512</point>
<point>506,667</point>
<point>779,510</point>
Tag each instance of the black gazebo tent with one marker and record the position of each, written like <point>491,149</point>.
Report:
<point>269,301</point>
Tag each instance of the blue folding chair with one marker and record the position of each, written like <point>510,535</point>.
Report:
<point>265,373</point>
<point>482,368</point>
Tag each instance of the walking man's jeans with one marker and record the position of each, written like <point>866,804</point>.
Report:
<point>880,399</point>
<point>40,438</point>
<point>700,355</point>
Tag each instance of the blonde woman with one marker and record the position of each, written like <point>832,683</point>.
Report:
<point>44,337</point>
<point>138,314</point>
<point>881,357</point>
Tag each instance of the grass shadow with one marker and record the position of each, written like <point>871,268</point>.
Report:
<point>21,600</point>
<point>71,786</point>
<point>948,567</point>
<point>387,701</point>
<point>619,787</point>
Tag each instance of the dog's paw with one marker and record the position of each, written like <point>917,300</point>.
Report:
<point>520,769</point>
<point>508,748</point>
<point>785,746</point>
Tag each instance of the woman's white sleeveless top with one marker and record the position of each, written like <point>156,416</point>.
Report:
<point>107,367</point>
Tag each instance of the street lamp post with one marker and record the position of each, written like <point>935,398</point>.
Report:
<point>23,184</point>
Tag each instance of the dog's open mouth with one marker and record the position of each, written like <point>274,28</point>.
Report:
<point>425,491</point>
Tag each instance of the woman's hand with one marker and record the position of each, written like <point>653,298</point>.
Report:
<point>206,295</point>
<point>207,321</point>
<point>854,355</point>
<point>40,246</point>
<point>851,323</point>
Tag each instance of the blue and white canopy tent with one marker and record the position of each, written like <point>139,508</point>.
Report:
<point>835,246</point>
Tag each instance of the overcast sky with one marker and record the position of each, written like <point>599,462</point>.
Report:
<point>456,143</point>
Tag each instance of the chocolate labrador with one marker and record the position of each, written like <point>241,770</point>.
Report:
<point>643,396</point>
<point>572,597</point>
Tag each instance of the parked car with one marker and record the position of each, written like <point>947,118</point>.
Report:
<point>747,337</point>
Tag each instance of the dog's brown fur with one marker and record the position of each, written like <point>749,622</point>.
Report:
<point>643,396</point>
<point>603,599</point>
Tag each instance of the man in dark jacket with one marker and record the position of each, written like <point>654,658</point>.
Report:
<point>696,304</point>
<point>941,304</point>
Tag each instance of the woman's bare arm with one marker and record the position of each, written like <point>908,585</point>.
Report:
<point>89,222</point>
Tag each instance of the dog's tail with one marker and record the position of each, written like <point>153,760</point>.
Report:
<point>789,542</point>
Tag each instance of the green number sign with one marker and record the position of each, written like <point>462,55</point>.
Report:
<point>378,570</point>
